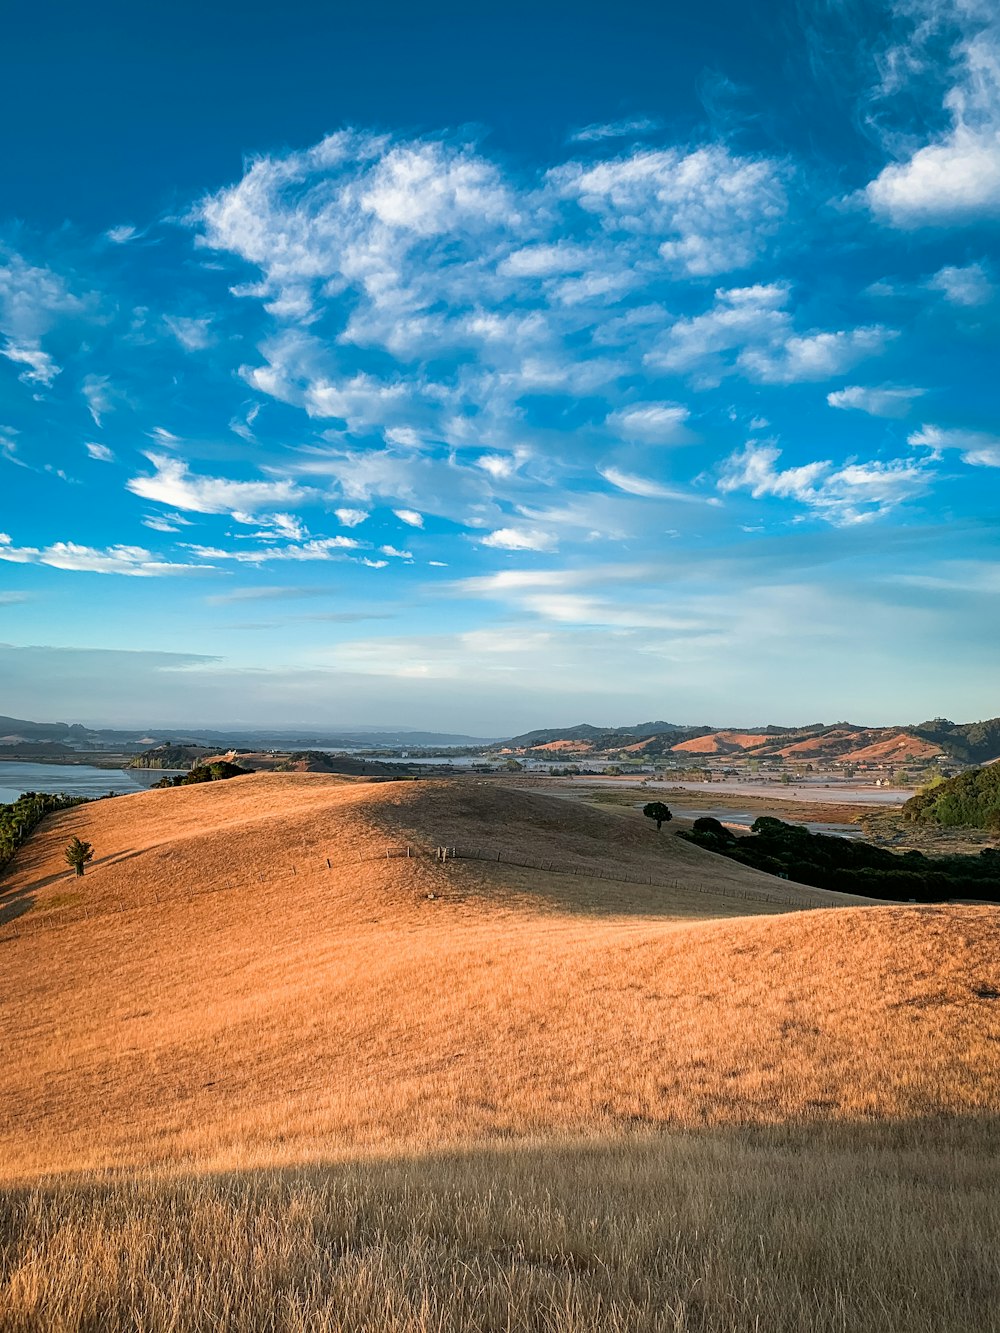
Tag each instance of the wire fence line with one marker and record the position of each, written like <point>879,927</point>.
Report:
<point>19,927</point>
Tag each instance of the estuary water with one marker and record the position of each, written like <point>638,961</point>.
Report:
<point>73,779</point>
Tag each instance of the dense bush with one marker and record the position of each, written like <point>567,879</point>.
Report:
<point>971,799</point>
<point>20,817</point>
<point>848,865</point>
<point>214,772</point>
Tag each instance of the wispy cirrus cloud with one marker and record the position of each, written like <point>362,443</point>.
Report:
<point>652,423</point>
<point>882,400</point>
<point>626,128</point>
<point>173,484</point>
<point>646,487</point>
<point>133,561</point>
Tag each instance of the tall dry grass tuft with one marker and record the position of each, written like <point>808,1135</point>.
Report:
<point>843,1230</point>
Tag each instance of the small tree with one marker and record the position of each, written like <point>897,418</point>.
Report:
<point>78,853</point>
<point>658,811</point>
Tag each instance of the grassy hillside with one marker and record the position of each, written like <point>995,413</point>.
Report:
<point>379,1004</point>
<point>406,1094</point>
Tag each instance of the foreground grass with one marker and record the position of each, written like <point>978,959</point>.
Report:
<point>853,1229</point>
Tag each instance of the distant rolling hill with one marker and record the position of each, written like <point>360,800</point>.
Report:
<point>840,742</point>
<point>245,977</point>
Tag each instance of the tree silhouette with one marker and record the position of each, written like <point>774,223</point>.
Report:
<point>658,811</point>
<point>78,853</point>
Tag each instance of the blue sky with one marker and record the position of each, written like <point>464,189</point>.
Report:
<point>486,370</point>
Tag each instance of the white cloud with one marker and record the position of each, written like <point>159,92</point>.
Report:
<point>741,316</point>
<point>96,389</point>
<point>636,485</point>
<point>497,465</point>
<point>511,580</point>
<point>31,298</point>
<point>977,448</point>
<point>652,423</point>
<point>193,334</point>
<point>410,517</point>
<point>577,609</point>
<point>851,493</point>
<point>163,436</point>
<point>885,400</point>
<point>41,369</point>
<point>122,234</point>
<point>954,181</point>
<point>543,261</point>
<point>520,539</point>
<point>817,356</point>
<point>615,129</point>
<point>396,553</point>
<point>134,561</point>
<point>955,177</point>
<point>272,527</point>
<point>749,329</point>
<point>320,548</point>
<point>100,452</point>
<point>244,428</point>
<point>715,210</point>
<point>350,518</point>
<point>172,484</point>
<point>350,210</point>
<point>434,249</point>
<point>963,286</point>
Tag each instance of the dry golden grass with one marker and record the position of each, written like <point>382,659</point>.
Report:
<point>729,1113</point>
<point>869,1229</point>
<point>327,1012</point>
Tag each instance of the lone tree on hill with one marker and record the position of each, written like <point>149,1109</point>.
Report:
<point>658,811</point>
<point>78,853</point>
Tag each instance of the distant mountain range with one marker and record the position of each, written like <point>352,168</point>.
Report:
<point>18,734</point>
<point>841,742</point>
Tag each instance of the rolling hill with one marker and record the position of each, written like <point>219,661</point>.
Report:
<point>213,993</point>
<point>840,742</point>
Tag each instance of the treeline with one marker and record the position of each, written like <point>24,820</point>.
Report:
<point>168,755</point>
<point>19,818</point>
<point>214,772</point>
<point>971,742</point>
<point>847,865</point>
<point>969,800</point>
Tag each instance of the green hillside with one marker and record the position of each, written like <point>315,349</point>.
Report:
<point>969,800</point>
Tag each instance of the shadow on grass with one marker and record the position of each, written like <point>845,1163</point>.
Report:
<point>832,1228</point>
